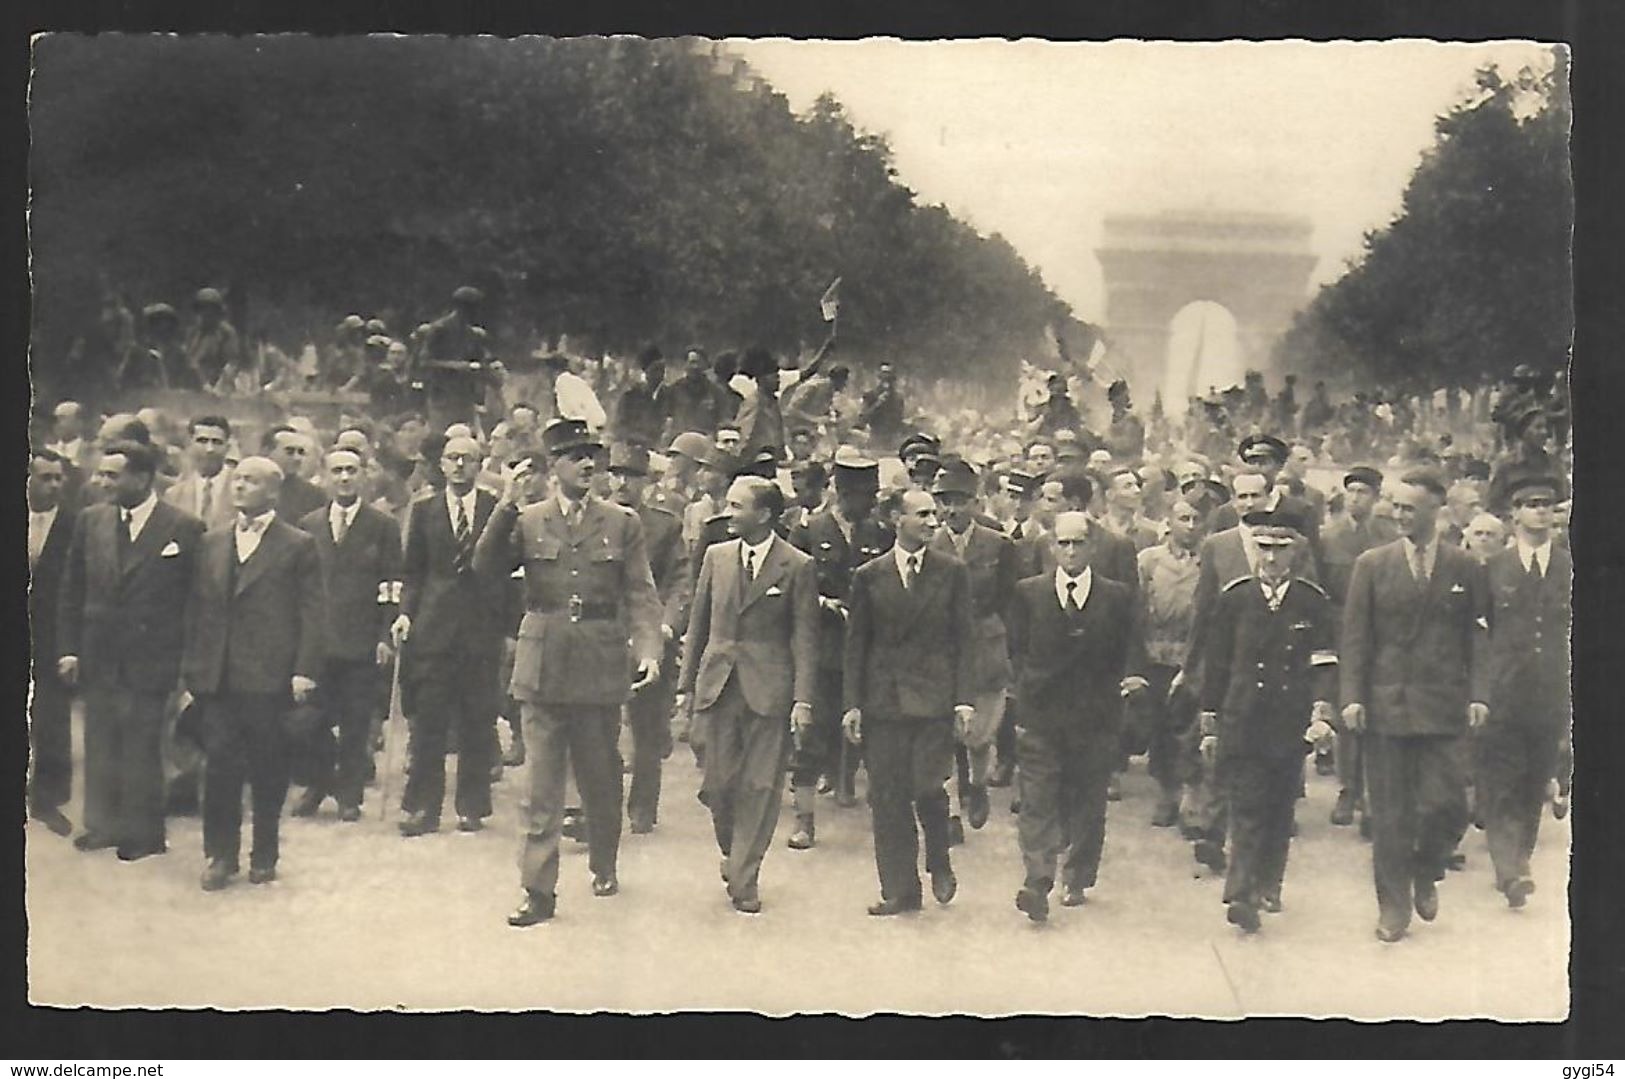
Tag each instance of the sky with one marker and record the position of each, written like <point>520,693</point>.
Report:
<point>1039,140</point>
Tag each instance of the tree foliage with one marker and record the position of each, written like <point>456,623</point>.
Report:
<point>1473,276</point>
<point>616,190</point>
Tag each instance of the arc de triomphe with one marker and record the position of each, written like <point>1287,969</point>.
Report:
<point>1256,265</point>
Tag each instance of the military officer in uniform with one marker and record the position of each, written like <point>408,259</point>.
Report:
<point>1268,686</point>
<point>840,537</point>
<point>590,638</point>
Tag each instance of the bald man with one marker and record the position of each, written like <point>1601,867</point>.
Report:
<point>253,652</point>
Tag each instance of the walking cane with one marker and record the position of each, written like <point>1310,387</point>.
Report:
<point>394,725</point>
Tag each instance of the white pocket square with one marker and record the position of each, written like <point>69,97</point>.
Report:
<point>774,591</point>
<point>170,550</point>
<point>1457,588</point>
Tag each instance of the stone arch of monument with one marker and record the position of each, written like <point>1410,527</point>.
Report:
<point>1256,265</point>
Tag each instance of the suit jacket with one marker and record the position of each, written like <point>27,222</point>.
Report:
<point>184,494</point>
<point>298,499</point>
<point>1265,669</point>
<point>1069,668</point>
<point>668,562</point>
<point>45,591</point>
<point>1115,558</point>
<point>124,620</point>
<point>837,560</point>
<point>990,559</point>
<point>1529,639</point>
<point>451,612</point>
<point>764,631</point>
<point>251,627</point>
<point>1415,653</point>
<point>907,652</point>
<point>591,607</point>
<point>360,582</point>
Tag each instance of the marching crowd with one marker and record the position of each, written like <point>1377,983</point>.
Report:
<point>799,580</point>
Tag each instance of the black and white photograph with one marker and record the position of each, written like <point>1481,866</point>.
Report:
<point>964,527</point>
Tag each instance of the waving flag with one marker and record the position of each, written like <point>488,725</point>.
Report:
<point>829,305</point>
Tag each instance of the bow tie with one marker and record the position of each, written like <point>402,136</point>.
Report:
<point>252,524</point>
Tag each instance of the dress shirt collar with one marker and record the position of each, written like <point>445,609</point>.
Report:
<point>1275,593</point>
<point>256,524</point>
<point>1541,554</point>
<point>1429,553</point>
<point>43,517</point>
<point>569,508</point>
<point>1085,582</point>
<point>453,500</point>
<point>902,558</point>
<point>140,513</point>
<point>337,512</point>
<point>758,551</point>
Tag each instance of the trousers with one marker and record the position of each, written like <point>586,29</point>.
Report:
<point>1062,776</point>
<point>1167,725</point>
<point>1260,793</point>
<point>50,741</point>
<point>338,766</point>
<point>244,742</point>
<point>743,785</point>
<point>560,738</point>
<point>451,693</point>
<point>1516,761</point>
<point>124,771</point>
<point>909,759</point>
<point>1418,808</point>
<point>648,716</point>
<point>823,748</point>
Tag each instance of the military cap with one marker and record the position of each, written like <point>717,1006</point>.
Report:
<point>208,297</point>
<point>1022,484</point>
<point>563,435</point>
<point>1364,474</point>
<point>1207,490</point>
<point>629,458</point>
<point>919,441</point>
<point>352,322</point>
<point>467,294</point>
<point>380,342</point>
<point>690,444</point>
<point>854,471</point>
<point>714,456</point>
<point>1273,528</point>
<point>157,311</point>
<point>1533,481</point>
<point>958,478</point>
<point>764,463</point>
<point>1257,445</point>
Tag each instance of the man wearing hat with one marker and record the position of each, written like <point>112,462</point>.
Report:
<point>1348,536</point>
<point>1519,746</point>
<point>590,639</point>
<point>453,361</point>
<point>1527,457</point>
<point>1268,455</point>
<point>840,537</point>
<point>990,560</point>
<point>921,455</point>
<point>648,714</point>
<point>1414,678</point>
<point>213,352</point>
<point>1270,678</point>
<point>675,491</point>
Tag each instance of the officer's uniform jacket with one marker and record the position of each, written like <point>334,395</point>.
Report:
<point>668,562</point>
<point>591,607</point>
<point>1266,666</point>
<point>1529,639</point>
<point>837,560</point>
<point>990,559</point>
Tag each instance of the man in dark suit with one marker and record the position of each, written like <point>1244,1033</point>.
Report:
<point>450,630</point>
<point>1519,745</point>
<point>1414,677</point>
<point>591,615</point>
<point>990,560</point>
<point>908,694</point>
<point>1267,455</point>
<point>1270,678</point>
<point>1074,647</point>
<point>120,638</point>
<point>842,536</point>
<point>50,531</point>
<point>359,548</point>
<point>253,651</point>
<point>648,713</point>
<point>290,449</point>
<point>1347,537</point>
<point>750,663</point>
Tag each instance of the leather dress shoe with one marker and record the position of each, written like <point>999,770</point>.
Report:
<point>1210,854</point>
<point>826,785</point>
<point>748,904</point>
<point>805,835</point>
<point>1560,806</point>
<point>574,826</point>
<point>1270,904</point>
<point>217,875</point>
<point>641,826</point>
<point>1000,774</point>
<point>1343,811</point>
<point>956,832</point>
<point>308,804</point>
<point>538,907</point>
<point>1427,900</point>
<point>1244,916</point>
<point>976,807</point>
<point>888,907</point>
<point>1033,903</point>
<point>53,819</point>
<point>258,874</point>
<point>605,886</point>
<point>419,824</point>
<point>135,852</point>
<point>1389,936</point>
<point>1519,891</point>
<point>1325,765</point>
<point>470,824</point>
<point>89,841</point>
<point>349,814</point>
<point>515,756</point>
<point>1114,789</point>
<point>846,797</point>
<point>1166,815</point>
<point>1073,897</point>
<point>944,886</point>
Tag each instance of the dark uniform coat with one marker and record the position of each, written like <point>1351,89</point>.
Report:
<point>836,559</point>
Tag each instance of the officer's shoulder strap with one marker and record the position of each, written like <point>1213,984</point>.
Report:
<point>1239,580</point>
<point>1313,586</point>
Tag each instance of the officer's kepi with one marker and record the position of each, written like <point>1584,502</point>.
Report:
<point>1274,528</point>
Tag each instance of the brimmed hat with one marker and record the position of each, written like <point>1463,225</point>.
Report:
<point>957,478</point>
<point>921,442</point>
<point>1268,443</point>
<point>1364,474</point>
<point>1530,481</point>
<point>853,471</point>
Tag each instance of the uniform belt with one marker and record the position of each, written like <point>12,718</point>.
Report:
<point>586,612</point>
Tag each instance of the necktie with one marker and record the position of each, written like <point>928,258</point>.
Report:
<point>1418,567</point>
<point>341,527</point>
<point>1015,533</point>
<point>207,498</point>
<point>127,533</point>
<point>463,557</point>
<point>1536,570</point>
<point>913,571</point>
<point>750,565</point>
<point>1072,604</point>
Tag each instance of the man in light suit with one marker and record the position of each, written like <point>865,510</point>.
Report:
<point>1071,632</point>
<point>907,690</point>
<point>50,531</point>
<point>205,492</point>
<point>750,662</point>
<point>1519,747</point>
<point>120,639</point>
<point>359,548</point>
<point>253,651</point>
<point>1414,678</point>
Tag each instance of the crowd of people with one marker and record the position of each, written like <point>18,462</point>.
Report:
<point>901,589</point>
